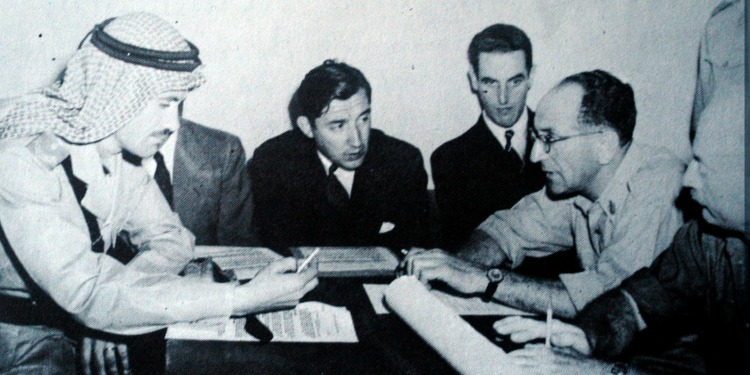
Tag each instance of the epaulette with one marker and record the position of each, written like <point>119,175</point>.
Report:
<point>48,149</point>
<point>723,5</point>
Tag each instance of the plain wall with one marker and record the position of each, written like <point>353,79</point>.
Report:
<point>413,52</point>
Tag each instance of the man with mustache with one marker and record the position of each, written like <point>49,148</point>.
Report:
<point>606,197</point>
<point>66,192</point>
<point>333,180</point>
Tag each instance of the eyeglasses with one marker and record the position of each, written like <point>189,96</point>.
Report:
<point>547,140</point>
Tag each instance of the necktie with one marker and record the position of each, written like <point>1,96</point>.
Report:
<point>335,192</point>
<point>161,176</point>
<point>508,135</point>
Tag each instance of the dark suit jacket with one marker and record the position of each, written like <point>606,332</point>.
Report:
<point>212,192</point>
<point>474,177</point>
<point>289,184</point>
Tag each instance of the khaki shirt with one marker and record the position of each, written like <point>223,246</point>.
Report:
<point>633,221</point>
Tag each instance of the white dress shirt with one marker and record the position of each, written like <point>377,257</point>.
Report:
<point>518,142</point>
<point>345,177</point>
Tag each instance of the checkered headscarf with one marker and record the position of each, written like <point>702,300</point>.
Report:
<point>98,94</point>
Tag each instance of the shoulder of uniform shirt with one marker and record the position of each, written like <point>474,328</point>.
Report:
<point>28,168</point>
<point>659,175</point>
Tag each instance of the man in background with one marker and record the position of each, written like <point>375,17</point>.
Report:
<point>201,171</point>
<point>488,168</point>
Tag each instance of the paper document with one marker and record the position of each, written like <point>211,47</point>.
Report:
<point>452,337</point>
<point>308,322</point>
<point>244,261</point>
<point>461,305</point>
<point>352,261</point>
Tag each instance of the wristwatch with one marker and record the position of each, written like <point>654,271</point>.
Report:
<point>495,276</point>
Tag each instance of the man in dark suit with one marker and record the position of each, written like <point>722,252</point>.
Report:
<point>202,173</point>
<point>488,168</point>
<point>333,180</point>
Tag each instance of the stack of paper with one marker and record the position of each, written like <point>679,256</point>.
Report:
<point>352,261</point>
<point>244,261</point>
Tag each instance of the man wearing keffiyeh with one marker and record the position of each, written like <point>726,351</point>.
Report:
<point>66,192</point>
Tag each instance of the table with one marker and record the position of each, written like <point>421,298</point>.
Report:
<point>386,344</point>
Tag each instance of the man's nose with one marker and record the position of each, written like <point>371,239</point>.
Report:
<point>537,152</point>
<point>691,178</point>
<point>354,137</point>
<point>172,119</point>
<point>502,93</point>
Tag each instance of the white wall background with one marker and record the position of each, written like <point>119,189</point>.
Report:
<point>413,53</point>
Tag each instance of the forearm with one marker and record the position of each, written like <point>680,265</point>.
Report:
<point>534,295</point>
<point>482,249</point>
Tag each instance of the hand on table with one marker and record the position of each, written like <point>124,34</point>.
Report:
<point>277,286</point>
<point>436,264</point>
<point>103,357</point>
<point>564,335</point>
<point>538,359</point>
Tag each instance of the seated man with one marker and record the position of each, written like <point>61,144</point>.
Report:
<point>697,285</point>
<point>334,181</point>
<point>202,173</point>
<point>488,168</point>
<point>66,192</point>
<point>608,198</point>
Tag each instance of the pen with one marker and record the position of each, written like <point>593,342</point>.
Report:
<point>548,334</point>
<point>308,260</point>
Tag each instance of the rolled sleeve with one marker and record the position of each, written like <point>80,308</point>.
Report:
<point>536,226</point>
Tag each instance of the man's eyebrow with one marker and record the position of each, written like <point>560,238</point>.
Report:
<point>519,75</point>
<point>365,112</point>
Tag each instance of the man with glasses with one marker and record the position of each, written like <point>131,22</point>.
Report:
<point>608,198</point>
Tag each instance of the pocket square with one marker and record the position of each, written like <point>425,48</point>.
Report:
<point>386,227</point>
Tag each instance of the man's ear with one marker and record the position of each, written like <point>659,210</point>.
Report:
<point>531,76</point>
<point>473,80</point>
<point>303,123</point>
<point>607,146</point>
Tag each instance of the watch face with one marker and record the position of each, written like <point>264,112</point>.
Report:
<point>494,274</point>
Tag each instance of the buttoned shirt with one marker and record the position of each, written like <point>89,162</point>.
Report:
<point>346,177</point>
<point>45,227</point>
<point>631,222</point>
<point>520,129</point>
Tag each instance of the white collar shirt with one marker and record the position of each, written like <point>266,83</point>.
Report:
<point>520,128</point>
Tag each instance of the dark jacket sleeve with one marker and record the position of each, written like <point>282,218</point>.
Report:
<point>455,207</point>
<point>235,226</point>
<point>415,205</point>
<point>668,295</point>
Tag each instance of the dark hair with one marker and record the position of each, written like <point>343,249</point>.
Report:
<point>329,81</point>
<point>606,101</point>
<point>500,38</point>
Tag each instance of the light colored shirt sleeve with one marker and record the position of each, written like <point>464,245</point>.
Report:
<point>536,225</point>
<point>645,228</point>
<point>45,228</point>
